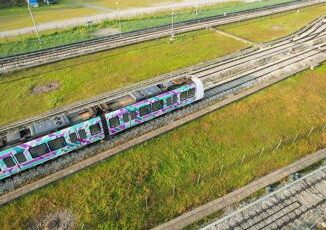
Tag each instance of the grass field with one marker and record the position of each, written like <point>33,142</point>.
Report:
<point>28,42</point>
<point>112,194</point>
<point>88,76</point>
<point>18,17</point>
<point>128,3</point>
<point>275,26</point>
<point>106,71</point>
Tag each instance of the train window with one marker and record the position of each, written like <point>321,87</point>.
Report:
<point>82,134</point>
<point>95,129</point>
<point>169,101</point>
<point>73,137</point>
<point>183,96</point>
<point>191,93</point>
<point>175,99</point>
<point>114,122</point>
<point>39,150</point>
<point>58,143</point>
<point>9,162</point>
<point>133,115</point>
<point>157,105</point>
<point>20,158</point>
<point>125,117</point>
<point>145,110</point>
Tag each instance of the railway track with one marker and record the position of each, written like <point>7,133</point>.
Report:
<point>300,203</point>
<point>212,72</point>
<point>51,55</point>
<point>303,53</point>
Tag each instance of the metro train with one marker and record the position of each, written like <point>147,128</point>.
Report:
<point>44,140</point>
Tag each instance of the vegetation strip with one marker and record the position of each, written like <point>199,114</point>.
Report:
<point>242,193</point>
<point>102,156</point>
<point>20,61</point>
<point>108,75</point>
<point>276,26</point>
<point>104,72</point>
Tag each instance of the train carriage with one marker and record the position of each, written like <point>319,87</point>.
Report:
<point>66,133</point>
<point>35,152</point>
<point>153,107</point>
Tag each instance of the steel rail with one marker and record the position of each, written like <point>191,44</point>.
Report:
<point>223,65</point>
<point>85,163</point>
<point>92,46</point>
<point>245,78</point>
<point>317,172</point>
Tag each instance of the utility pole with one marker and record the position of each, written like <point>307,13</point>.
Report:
<point>197,7</point>
<point>35,26</point>
<point>172,25</point>
<point>118,9</point>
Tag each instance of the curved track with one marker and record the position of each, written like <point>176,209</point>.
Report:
<point>50,55</point>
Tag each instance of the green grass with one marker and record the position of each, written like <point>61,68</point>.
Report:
<point>11,46</point>
<point>88,76</point>
<point>276,26</point>
<point>18,17</point>
<point>106,71</point>
<point>151,169</point>
<point>188,14</point>
<point>26,43</point>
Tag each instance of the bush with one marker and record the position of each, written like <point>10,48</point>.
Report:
<point>11,3</point>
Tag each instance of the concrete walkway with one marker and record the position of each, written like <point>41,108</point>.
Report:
<point>98,18</point>
<point>234,37</point>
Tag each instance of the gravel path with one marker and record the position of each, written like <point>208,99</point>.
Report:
<point>299,205</point>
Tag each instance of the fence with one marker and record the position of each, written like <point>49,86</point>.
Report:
<point>155,198</point>
<point>85,28</point>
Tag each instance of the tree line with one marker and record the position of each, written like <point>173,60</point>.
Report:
<point>10,3</point>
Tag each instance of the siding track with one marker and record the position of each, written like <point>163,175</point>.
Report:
<point>236,77</point>
<point>286,208</point>
<point>215,72</point>
<point>32,59</point>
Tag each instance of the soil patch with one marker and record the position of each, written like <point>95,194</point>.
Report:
<point>106,32</point>
<point>40,89</point>
<point>61,220</point>
<point>277,27</point>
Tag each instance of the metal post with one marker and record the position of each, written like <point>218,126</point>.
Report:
<point>221,170</point>
<point>146,201</point>
<point>172,25</point>
<point>119,19</point>
<point>173,191</point>
<point>278,146</point>
<point>261,152</point>
<point>310,132</point>
<point>116,212</point>
<point>243,158</point>
<point>35,26</point>
<point>198,179</point>
<point>295,138</point>
<point>197,7</point>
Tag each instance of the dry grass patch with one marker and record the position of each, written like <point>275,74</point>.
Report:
<point>275,26</point>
